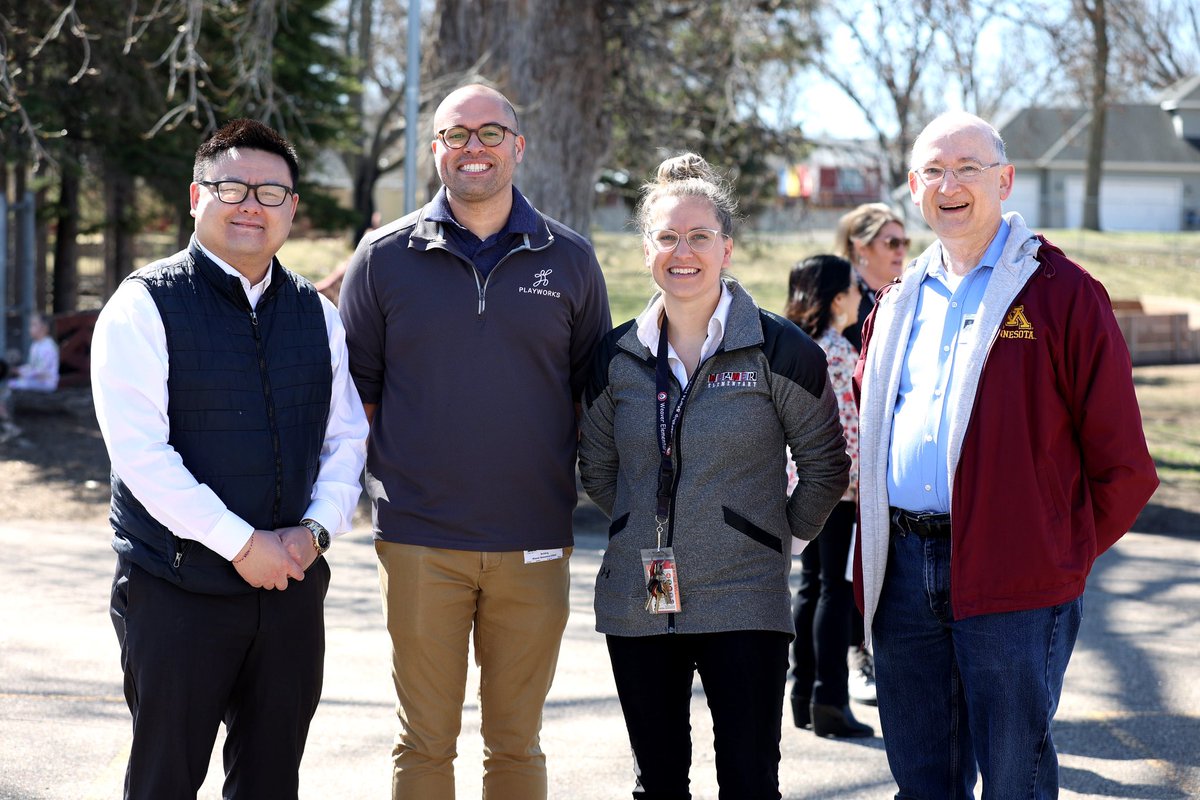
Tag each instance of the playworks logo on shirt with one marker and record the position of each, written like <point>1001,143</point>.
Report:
<point>541,280</point>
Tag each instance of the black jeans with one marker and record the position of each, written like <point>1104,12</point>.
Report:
<point>824,610</point>
<point>192,661</point>
<point>743,674</point>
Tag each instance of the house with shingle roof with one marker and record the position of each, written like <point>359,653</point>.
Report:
<point>1151,177</point>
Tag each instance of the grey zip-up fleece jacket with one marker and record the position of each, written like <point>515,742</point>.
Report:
<point>731,523</point>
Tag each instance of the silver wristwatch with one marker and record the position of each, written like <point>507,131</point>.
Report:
<point>319,534</point>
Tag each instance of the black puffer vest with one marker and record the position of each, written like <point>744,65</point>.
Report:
<point>248,399</point>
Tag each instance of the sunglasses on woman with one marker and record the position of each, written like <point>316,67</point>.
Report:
<point>895,242</point>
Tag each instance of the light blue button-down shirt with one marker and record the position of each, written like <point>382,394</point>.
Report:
<point>945,321</point>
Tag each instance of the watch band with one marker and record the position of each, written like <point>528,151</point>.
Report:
<point>321,539</point>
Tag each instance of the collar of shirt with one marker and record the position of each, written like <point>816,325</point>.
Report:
<point>253,293</point>
<point>648,329</point>
<point>991,257</point>
<point>521,219</point>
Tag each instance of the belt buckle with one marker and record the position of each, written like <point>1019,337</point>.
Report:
<point>923,524</point>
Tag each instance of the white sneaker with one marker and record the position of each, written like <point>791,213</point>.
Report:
<point>862,676</point>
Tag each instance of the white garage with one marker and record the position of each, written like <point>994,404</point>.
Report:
<point>1130,203</point>
<point>1024,200</point>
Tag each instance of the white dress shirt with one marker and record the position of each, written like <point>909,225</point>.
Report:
<point>129,385</point>
<point>648,328</point>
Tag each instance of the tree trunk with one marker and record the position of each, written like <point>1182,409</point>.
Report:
<point>41,252</point>
<point>17,233</point>
<point>549,59</point>
<point>118,227</point>
<point>365,178</point>
<point>1097,18</point>
<point>66,244</point>
<point>184,227</point>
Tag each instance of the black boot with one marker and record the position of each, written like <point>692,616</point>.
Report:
<point>800,711</point>
<point>839,722</point>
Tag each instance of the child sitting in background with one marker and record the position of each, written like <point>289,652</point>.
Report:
<point>40,372</point>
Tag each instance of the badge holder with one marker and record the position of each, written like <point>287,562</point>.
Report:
<point>659,571</point>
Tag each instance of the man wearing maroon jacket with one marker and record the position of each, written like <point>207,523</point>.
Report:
<point>1001,452</point>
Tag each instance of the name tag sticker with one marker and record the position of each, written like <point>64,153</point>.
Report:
<point>534,556</point>
<point>966,334</point>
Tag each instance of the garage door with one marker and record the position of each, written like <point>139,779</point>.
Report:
<point>1130,204</point>
<point>1024,199</point>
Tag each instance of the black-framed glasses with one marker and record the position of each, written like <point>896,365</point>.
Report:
<point>895,242</point>
<point>456,137</point>
<point>967,173</point>
<point>234,192</point>
<point>699,240</point>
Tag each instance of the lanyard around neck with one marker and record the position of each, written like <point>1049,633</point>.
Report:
<point>667,422</point>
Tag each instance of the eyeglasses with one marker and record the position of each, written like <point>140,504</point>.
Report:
<point>896,243</point>
<point>490,135</point>
<point>234,192</point>
<point>968,173</point>
<point>699,240</point>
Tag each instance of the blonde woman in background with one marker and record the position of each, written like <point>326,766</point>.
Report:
<point>872,239</point>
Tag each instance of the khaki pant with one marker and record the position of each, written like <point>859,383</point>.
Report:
<point>432,598</point>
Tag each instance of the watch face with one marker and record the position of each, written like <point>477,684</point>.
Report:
<point>323,540</point>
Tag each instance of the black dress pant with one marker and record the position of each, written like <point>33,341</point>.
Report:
<point>824,612</point>
<point>743,674</point>
<point>192,661</point>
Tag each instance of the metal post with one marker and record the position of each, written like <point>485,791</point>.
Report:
<point>3,276</point>
<point>412,97</point>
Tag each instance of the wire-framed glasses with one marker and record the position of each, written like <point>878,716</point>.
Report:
<point>967,173</point>
<point>699,240</point>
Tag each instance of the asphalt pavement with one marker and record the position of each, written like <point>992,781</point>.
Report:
<point>1128,725</point>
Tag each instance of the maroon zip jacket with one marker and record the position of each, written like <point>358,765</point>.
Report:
<point>1053,466</point>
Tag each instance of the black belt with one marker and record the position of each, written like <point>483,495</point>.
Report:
<point>928,524</point>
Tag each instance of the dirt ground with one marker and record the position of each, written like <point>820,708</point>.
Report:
<point>58,468</point>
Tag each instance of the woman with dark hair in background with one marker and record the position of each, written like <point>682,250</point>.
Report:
<point>823,299</point>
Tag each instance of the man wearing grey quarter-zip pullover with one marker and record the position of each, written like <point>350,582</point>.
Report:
<point>470,325</point>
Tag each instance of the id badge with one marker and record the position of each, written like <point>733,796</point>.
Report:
<point>662,582</point>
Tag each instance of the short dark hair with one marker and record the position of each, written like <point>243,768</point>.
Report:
<point>251,135</point>
<point>812,285</point>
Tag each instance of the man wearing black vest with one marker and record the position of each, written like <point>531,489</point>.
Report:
<point>236,440</point>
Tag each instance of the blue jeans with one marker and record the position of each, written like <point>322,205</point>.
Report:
<point>957,696</point>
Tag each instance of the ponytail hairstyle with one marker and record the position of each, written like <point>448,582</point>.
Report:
<point>812,286</point>
<point>688,175</point>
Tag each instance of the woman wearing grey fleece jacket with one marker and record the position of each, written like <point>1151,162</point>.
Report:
<point>684,428</point>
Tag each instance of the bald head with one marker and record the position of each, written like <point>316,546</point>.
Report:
<point>468,94</point>
<point>954,122</point>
